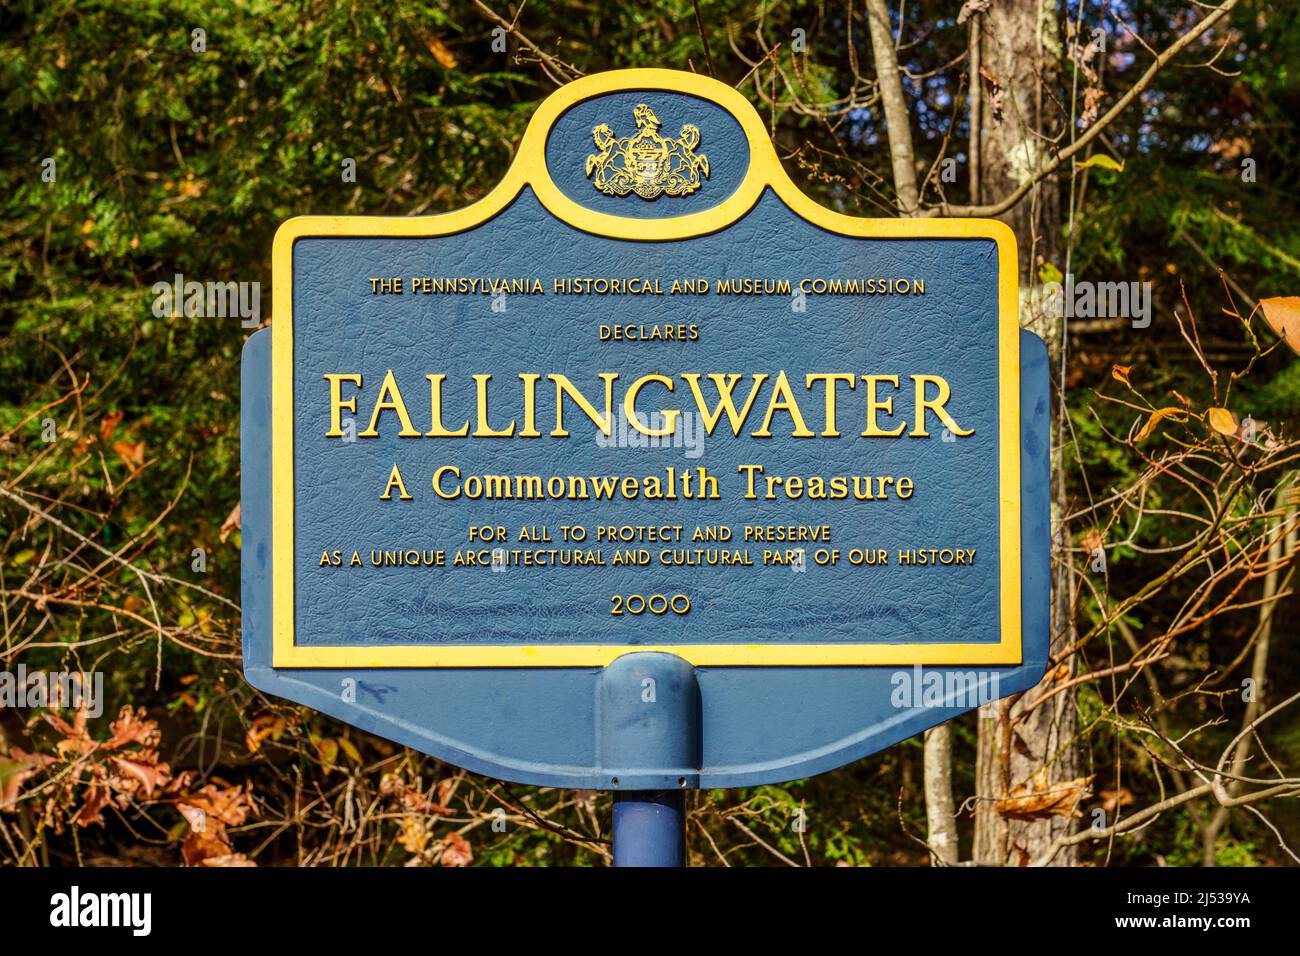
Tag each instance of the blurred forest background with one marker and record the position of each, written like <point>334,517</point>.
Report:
<point>1149,142</point>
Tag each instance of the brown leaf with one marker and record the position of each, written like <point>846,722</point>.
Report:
<point>230,806</point>
<point>1040,798</point>
<point>133,455</point>
<point>108,424</point>
<point>455,851</point>
<point>440,53</point>
<point>1092,97</point>
<point>327,749</point>
<point>147,773</point>
<point>233,522</point>
<point>94,801</point>
<point>206,844</point>
<point>1282,313</point>
<point>268,725</point>
<point>996,95</point>
<point>410,800</point>
<point>194,816</point>
<point>132,727</point>
<point>76,739</point>
<point>76,730</point>
<point>415,834</point>
<point>1222,421</point>
<point>1174,414</point>
<point>1113,799</point>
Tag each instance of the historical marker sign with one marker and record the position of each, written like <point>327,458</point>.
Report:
<point>645,396</point>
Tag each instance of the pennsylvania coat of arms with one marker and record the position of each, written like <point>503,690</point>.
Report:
<point>647,163</point>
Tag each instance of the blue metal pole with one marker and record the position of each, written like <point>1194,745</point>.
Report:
<point>650,828</point>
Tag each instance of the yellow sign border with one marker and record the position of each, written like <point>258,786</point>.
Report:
<point>529,169</point>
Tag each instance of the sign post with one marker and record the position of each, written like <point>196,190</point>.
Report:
<point>650,828</point>
<point>645,472</point>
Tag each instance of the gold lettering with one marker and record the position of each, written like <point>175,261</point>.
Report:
<point>935,405</point>
<point>438,429</point>
<point>395,481</point>
<point>831,379</point>
<point>565,387</point>
<point>783,400</point>
<point>725,384</point>
<point>338,403</point>
<point>484,430</point>
<point>876,404</point>
<point>390,399</point>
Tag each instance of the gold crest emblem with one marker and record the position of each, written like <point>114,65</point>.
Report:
<point>646,163</point>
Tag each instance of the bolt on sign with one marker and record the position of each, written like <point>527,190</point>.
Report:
<point>645,470</point>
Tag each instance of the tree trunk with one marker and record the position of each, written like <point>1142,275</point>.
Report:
<point>898,121</point>
<point>1020,52</point>
<point>940,813</point>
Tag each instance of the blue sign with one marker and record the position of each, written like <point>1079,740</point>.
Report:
<point>645,471</point>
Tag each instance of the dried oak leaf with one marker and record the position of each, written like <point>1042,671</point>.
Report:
<point>1092,97</point>
<point>96,798</point>
<point>76,738</point>
<point>206,844</point>
<point>1040,798</point>
<point>230,806</point>
<point>394,789</point>
<point>455,851</point>
<point>208,811</point>
<point>133,727</point>
<point>145,773</point>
